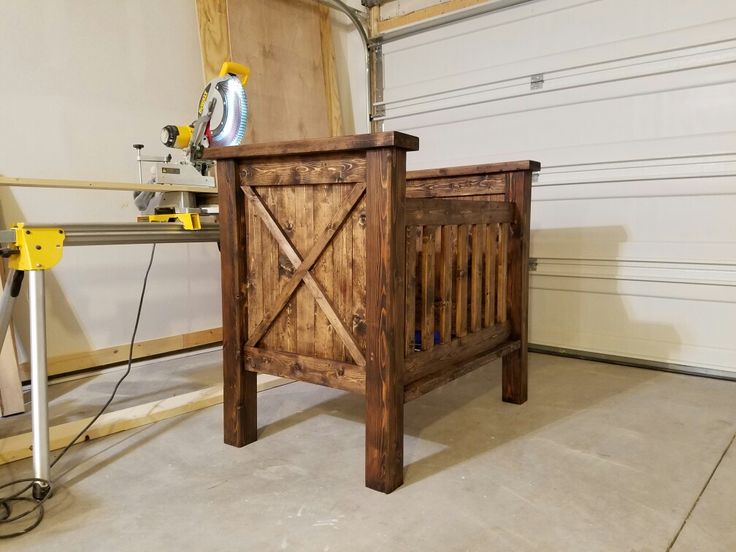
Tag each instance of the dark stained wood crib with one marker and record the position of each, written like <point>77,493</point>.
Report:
<point>341,269</point>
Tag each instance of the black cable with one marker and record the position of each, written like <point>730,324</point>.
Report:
<point>18,497</point>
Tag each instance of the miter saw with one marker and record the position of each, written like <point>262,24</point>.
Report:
<point>222,117</point>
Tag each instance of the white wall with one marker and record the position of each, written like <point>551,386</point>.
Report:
<point>80,82</point>
<point>632,216</point>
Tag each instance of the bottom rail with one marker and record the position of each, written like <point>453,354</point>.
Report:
<point>446,374</point>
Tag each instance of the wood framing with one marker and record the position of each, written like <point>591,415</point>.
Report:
<point>99,358</point>
<point>341,269</point>
<point>18,447</point>
<point>214,36</point>
<point>416,16</point>
<point>101,185</point>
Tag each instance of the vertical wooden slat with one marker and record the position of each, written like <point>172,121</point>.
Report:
<point>359,325</point>
<point>239,401</point>
<point>384,401</point>
<point>503,244</point>
<point>269,266</point>
<point>285,213</point>
<point>342,296</point>
<point>461,282</point>
<point>445,285</point>
<point>411,287</point>
<point>515,367</point>
<point>476,277</point>
<point>428,282</point>
<point>303,240</point>
<point>254,248</point>
<point>323,333</point>
<point>489,276</point>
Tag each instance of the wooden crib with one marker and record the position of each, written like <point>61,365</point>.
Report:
<point>341,269</point>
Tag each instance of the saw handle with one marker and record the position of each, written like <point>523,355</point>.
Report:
<point>233,68</point>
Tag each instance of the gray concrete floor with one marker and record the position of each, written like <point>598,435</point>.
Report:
<point>600,458</point>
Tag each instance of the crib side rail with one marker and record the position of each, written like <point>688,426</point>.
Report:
<point>466,258</point>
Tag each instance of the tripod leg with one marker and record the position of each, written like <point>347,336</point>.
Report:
<point>39,381</point>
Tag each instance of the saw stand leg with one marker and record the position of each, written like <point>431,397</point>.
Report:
<point>39,374</point>
<point>39,381</point>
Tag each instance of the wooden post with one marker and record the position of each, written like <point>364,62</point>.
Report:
<point>239,385</point>
<point>384,418</point>
<point>517,294</point>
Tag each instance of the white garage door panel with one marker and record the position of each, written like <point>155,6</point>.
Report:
<point>635,126</point>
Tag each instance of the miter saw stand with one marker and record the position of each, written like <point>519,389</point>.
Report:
<point>221,121</point>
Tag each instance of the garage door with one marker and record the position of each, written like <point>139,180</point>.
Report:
<point>631,108</point>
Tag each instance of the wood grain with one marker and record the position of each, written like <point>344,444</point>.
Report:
<point>240,423</point>
<point>385,308</point>
<point>515,366</point>
<point>422,363</point>
<point>413,234</point>
<point>455,369</point>
<point>303,169</point>
<point>427,287</point>
<point>476,263</point>
<point>331,373</point>
<point>454,211</point>
<point>468,170</point>
<point>461,281</point>
<point>459,186</point>
<point>318,145</point>
<point>214,35</point>
<point>318,292</point>
<point>447,249</point>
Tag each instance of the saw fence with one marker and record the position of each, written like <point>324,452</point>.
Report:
<point>341,269</point>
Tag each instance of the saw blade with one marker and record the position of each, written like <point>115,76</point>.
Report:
<point>230,117</point>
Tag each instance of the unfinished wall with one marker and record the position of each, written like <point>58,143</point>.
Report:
<point>81,82</point>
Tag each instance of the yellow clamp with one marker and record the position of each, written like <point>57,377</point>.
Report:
<point>189,221</point>
<point>38,248</point>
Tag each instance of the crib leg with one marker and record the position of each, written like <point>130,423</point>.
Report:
<point>518,191</point>
<point>239,391</point>
<point>385,305</point>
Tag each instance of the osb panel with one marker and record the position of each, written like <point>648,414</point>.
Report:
<point>303,212</point>
<point>280,41</point>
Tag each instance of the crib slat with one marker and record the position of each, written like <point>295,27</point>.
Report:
<point>461,277</point>
<point>445,284</point>
<point>412,234</point>
<point>476,277</point>
<point>489,276</point>
<point>503,247</point>
<point>428,277</point>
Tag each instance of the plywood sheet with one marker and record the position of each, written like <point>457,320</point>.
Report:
<point>280,41</point>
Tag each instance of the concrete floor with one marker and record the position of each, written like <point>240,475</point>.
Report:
<point>600,458</point>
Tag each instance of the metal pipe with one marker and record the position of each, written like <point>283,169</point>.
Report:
<point>39,381</point>
<point>134,233</point>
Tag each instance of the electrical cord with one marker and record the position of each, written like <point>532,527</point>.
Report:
<point>24,496</point>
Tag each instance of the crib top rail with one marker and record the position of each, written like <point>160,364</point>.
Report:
<point>468,181</point>
<point>488,168</point>
<point>317,146</point>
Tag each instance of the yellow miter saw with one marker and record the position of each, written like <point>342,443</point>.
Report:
<point>222,118</point>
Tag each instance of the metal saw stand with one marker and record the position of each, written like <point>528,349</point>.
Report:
<point>36,249</point>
